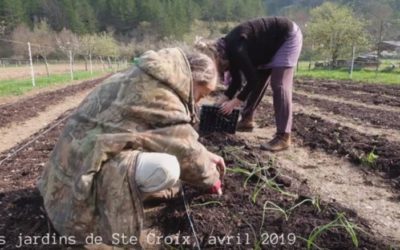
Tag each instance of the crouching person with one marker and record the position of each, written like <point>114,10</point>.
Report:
<point>130,139</point>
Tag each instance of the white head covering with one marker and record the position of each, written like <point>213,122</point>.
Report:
<point>156,171</point>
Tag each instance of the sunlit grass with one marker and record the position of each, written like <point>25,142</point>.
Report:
<point>21,86</point>
<point>364,75</point>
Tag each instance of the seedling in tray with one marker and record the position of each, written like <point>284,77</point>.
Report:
<point>212,120</point>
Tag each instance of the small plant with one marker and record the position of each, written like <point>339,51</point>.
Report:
<point>369,159</point>
<point>269,205</point>
<point>259,186</point>
<point>312,244</point>
<point>340,222</point>
<point>207,203</point>
<point>238,170</point>
<point>314,201</point>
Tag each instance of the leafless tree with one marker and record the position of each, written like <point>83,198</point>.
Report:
<point>69,43</point>
<point>41,39</point>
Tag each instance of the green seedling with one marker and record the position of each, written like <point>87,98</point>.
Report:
<point>207,203</point>
<point>265,181</point>
<point>238,170</point>
<point>231,149</point>
<point>312,244</point>
<point>257,190</point>
<point>256,172</point>
<point>169,247</point>
<point>369,159</point>
<point>314,202</point>
<point>244,163</point>
<point>340,222</point>
<point>273,185</point>
<point>269,205</point>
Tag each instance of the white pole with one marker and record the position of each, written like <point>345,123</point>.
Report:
<point>352,62</point>
<point>30,62</point>
<point>70,65</point>
<point>91,64</point>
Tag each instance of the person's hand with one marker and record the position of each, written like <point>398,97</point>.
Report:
<point>229,106</point>
<point>219,164</point>
<point>217,188</point>
<point>221,99</point>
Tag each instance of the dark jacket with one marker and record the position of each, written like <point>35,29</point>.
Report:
<point>251,44</point>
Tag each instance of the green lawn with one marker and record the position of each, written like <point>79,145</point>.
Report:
<point>365,75</point>
<point>21,86</point>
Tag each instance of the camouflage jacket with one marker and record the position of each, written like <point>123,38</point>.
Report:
<point>147,108</point>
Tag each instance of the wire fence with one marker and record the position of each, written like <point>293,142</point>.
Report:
<point>29,63</point>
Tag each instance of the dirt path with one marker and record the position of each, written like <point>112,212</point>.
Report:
<point>16,132</point>
<point>338,139</point>
<point>31,106</point>
<point>331,177</point>
<point>389,134</point>
<point>356,124</point>
<point>336,179</point>
<point>391,90</point>
<point>359,96</point>
<point>378,118</point>
<point>348,102</point>
<point>5,100</point>
<point>372,202</point>
<point>22,211</point>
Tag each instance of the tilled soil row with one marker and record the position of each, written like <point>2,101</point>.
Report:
<point>334,138</point>
<point>379,89</point>
<point>338,91</point>
<point>30,107</point>
<point>21,207</point>
<point>240,213</point>
<point>384,119</point>
<point>317,133</point>
<point>234,214</point>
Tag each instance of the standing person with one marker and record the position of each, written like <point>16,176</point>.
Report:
<point>262,50</point>
<point>131,139</point>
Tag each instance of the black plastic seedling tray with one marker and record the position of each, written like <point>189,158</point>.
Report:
<point>211,120</point>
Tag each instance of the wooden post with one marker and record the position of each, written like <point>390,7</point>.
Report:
<point>352,62</point>
<point>91,64</point>
<point>31,64</point>
<point>378,52</point>
<point>70,65</point>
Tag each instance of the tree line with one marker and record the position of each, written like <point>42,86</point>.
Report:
<point>163,17</point>
<point>127,27</point>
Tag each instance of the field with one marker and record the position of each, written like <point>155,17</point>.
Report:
<point>13,72</point>
<point>337,188</point>
<point>366,74</point>
<point>16,80</point>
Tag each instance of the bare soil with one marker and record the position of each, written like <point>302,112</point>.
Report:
<point>31,106</point>
<point>24,71</point>
<point>340,91</point>
<point>316,133</point>
<point>379,118</point>
<point>235,213</point>
<point>378,89</point>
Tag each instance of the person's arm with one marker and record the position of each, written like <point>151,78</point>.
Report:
<point>199,167</point>
<point>240,57</point>
<point>236,81</point>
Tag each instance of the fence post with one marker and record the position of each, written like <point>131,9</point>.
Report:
<point>352,62</point>
<point>31,64</point>
<point>91,64</point>
<point>70,65</point>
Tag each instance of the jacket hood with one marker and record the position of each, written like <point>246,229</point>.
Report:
<point>171,67</point>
